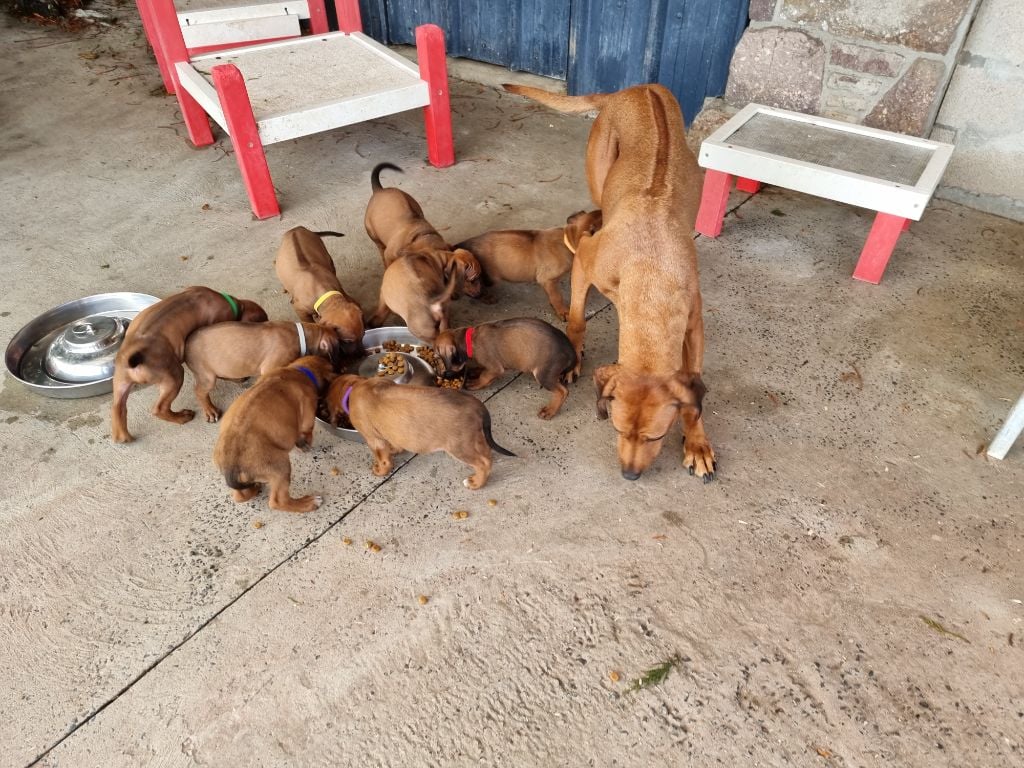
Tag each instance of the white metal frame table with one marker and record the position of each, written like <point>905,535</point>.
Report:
<point>890,173</point>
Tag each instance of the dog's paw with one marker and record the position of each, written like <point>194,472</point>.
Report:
<point>212,416</point>
<point>123,439</point>
<point>699,459</point>
<point>380,469</point>
<point>317,501</point>
<point>547,412</point>
<point>474,483</point>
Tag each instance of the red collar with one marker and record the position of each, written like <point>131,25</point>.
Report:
<point>469,341</point>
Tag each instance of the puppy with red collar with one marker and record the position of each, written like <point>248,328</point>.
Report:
<point>261,427</point>
<point>521,344</point>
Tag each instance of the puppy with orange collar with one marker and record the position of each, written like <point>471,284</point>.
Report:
<point>521,344</point>
<point>264,424</point>
<point>240,350</point>
<point>543,256</point>
<point>393,418</point>
<point>154,347</point>
<point>306,270</point>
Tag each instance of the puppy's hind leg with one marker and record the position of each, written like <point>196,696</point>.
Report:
<point>478,456</point>
<point>555,298</point>
<point>119,409</point>
<point>205,382</point>
<point>170,385</point>
<point>279,479</point>
<point>244,494</point>
<point>382,451</point>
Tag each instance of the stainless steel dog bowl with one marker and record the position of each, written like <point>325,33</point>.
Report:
<point>68,351</point>
<point>417,370</point>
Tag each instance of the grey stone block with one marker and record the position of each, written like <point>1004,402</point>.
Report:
<point>864,59</point>
<point>778,67</point>
<point>923,25</point>
<point>761,10</point>
<point>854,84</point>
<point>906,106</point>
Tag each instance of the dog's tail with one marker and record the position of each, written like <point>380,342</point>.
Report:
<point>558,101</point>
<point>328,233</point>
<point>437,302</point>
<point>490,439</point>
<point>233,477</point>
<point>375,174</point>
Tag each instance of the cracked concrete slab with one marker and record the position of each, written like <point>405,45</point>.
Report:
<point>848,589</point>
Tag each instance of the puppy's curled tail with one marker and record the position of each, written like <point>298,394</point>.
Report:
<point>558,101</point>
<point>437,302</point>
<point>375,174</point>
<point>328,233</point>
<point>233,477</point>
<point>490,439</point>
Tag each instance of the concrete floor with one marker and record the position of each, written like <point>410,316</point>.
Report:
<point>848,592</point>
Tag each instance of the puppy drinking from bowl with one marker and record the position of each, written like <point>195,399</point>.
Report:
<point>264,424</point>
<point>520,344</point>
<point>393,418</point>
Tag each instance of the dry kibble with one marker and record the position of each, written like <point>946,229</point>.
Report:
<point>614,676</point>
<point>335,471</point>
<point>492,502</point>
<point>372,546</point>
<point>423,599</point>
<point>346,541</point>
<point>460,514</point>
<point>258,523</point>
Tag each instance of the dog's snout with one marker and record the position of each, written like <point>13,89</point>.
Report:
<point>630,474</point>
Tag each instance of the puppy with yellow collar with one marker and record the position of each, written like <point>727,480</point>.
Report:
<point>307,272</point>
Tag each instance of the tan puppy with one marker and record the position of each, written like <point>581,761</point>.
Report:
<point>262,426</point>
<point>521,344</point>
<point>533,255</point>
<point>393,418</point>
<point>306,270</point>
<point>647,183</point>
<point>240,350</point>
<point>422,274</point>
<point>154,347</point>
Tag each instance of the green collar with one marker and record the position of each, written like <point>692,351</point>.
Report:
<point>233,303</point>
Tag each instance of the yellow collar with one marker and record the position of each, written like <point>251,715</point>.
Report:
<point>565,239</point>
<point>322,299</point>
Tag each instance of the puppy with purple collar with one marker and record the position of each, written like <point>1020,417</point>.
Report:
<point>521,344</point>
<point>260,428</point>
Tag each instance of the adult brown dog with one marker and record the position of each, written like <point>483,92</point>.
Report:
<point>393,418</point>
<point>240,350</point>
<point>154,347</point>
<point>647,184</point>
<point>519,344</point>
<point>422,273</point>
<point>262,426</point>
<point>306,270</point>
<point>543,256</point>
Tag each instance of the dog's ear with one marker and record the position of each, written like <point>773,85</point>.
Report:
<point>330,347</point>
<point>688,390</point>
<point>469,262</point>
<point>604,381</point>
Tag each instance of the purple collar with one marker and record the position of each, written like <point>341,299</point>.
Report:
<point>310,374</point>
<point>344,400</point>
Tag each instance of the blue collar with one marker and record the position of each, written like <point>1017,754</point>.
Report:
<point>311,375</point>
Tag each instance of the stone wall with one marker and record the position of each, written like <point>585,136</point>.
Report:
<point>983,114</point>
<point>883,63</point>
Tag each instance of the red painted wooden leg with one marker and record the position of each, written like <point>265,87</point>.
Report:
<point>748,185</point>
<point>172,44</point>
<point>245,136</point>
<point>149,27</point>
<point>317,17</point>
<point>878,248</point>
<point>713,201</point>
<point>906,224</point>
<point>438,115</point>
<point>349,20</point>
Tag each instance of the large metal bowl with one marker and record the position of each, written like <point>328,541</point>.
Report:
<point>68,351</point>
<point>417,370</point>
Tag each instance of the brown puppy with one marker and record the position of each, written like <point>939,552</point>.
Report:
<point>262,426</point>
<point>239,350</point>
<point>521,344</point>
<point>306,270</point>
<point>154,347</point>
<point>393,418</point>
<point>533,255</point>
<point>647,183</point>
<point>422,274</point>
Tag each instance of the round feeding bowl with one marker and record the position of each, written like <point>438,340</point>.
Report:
<point>69,351</point>
<point>403,366</point>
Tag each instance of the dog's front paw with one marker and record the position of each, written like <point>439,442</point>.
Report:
<point>547,412</point>
<point>699,458</point>
<point>380,468</point>
<point>212,415</point>
<point>474,483</point>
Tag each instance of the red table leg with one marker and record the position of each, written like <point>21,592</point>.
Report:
<point>149,27</point>
<point>713,202</point>
<point>168,31</point>
<point>349,20</point>
<point>317,17</point>
<point>245,137</point>
<point>748,185</point>
<point>878,248</point>
<point>438,115</point>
